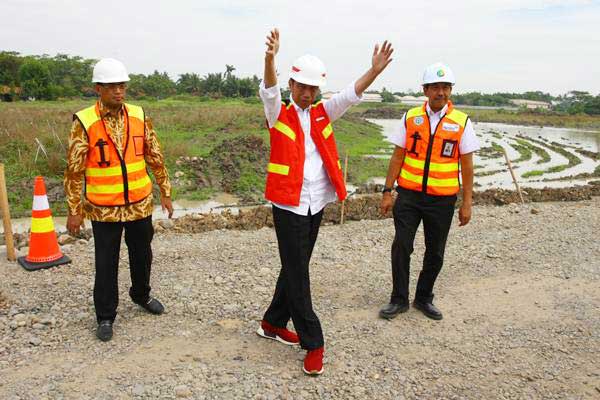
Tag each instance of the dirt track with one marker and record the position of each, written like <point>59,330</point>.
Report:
<point>519,291</point>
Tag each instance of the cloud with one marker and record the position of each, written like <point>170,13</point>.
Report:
<point>497,45</point>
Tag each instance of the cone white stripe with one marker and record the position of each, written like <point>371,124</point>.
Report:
<point>40,203</point>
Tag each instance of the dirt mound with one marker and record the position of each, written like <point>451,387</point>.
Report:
<point>384,113</point>
<point>240,158</point>
<point>235,166</point>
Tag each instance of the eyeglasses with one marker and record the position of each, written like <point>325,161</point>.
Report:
<point>115,86</point>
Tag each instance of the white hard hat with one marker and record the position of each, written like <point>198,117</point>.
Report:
<point>438,72</point>
<point>109,70</point>
<point>309,70</point>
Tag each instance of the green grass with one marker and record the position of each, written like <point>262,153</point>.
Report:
<point>535,172</point>
<point>185,127</point>
<point>573,160</point>
<point>539,151</point>
<point>525,153</point>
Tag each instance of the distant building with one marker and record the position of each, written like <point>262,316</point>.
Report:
<point>411,100</point>
<point>372,97</point>
<point>368,97</point>
<point>531,104</point>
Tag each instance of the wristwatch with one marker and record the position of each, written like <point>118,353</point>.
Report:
<point>387,190</point>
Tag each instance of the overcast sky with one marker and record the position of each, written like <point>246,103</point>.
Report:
<point>492,45</point>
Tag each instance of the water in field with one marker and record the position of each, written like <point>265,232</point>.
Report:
<point>491,170</point>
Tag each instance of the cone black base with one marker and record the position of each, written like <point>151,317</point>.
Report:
<point>31,266</point>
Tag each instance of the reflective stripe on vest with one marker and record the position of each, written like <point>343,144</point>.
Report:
<point>286,130</point>
<point>278,168</point>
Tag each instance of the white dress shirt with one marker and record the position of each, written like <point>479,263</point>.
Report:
<point>317,190</point>
<point>468,142</point>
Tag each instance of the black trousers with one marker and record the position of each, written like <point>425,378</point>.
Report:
<point>107,242</point>
<point>410,209</point>
<point>296,236</point>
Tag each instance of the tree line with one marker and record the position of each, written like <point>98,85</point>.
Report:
<point>49,78</point>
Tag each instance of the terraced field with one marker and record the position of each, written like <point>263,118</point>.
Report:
<point>541,156</point>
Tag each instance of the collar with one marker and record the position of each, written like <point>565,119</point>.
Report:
<point>297,107</point>
<point>440,113</point>
<point>106,112</point>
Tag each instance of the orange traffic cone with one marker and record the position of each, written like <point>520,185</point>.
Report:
<point>43,246</point>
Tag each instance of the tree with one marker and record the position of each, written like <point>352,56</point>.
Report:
<point>10,62</point>
<point>189,83</point>
<point>34,78</point>
<point>228,70</point>
<point>387,96</point>
<point>213,84</point>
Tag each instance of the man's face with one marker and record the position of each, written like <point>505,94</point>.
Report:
<point>438,94</point>
<point>303,95</point>
<point>112,94</point>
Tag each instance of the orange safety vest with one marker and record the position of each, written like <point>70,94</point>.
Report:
<point>285,171</point>
<point>112,180</point>
<point>431,161</point>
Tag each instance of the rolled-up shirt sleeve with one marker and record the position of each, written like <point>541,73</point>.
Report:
<point>271,99</point>
<point>340,102</point>
<point>468,142</point>
<point>399,136</point>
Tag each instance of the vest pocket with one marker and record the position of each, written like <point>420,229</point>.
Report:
<point>138,144</point>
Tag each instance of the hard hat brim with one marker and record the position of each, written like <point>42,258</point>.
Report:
<point>125,79</point>
<point>311,82</point>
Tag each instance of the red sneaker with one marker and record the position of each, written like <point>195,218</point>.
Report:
<point>313,362</point>
<point>282,335</point>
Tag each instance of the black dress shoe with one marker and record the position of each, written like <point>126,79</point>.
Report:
<point>153,306</point>
<point>391,310</point>
<point>428,309</point>
<point>105,330</point>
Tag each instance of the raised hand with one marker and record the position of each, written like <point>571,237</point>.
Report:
<point>381,57</point>
<point>272,43</point>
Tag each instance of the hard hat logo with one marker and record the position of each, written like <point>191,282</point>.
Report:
<point>438,72</point>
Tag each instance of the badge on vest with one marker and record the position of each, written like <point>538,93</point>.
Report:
<point>419,120</point>
<point>448,147</point>
<point>450,127</point>
<point>320,119</point>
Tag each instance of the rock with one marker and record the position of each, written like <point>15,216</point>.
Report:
<point>535,211</point>
<point>230,324</point>
<point>35,341</point>
<point>66,239</point>
<point>138,390</point>
<point>219,280</point>
<point>48,321</point>
<point>182,391</point>
<point>167,223</point>
<point>179,174</point>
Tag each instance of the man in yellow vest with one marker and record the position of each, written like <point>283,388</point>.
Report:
<point>111,144</point>
<point>431,143</point>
